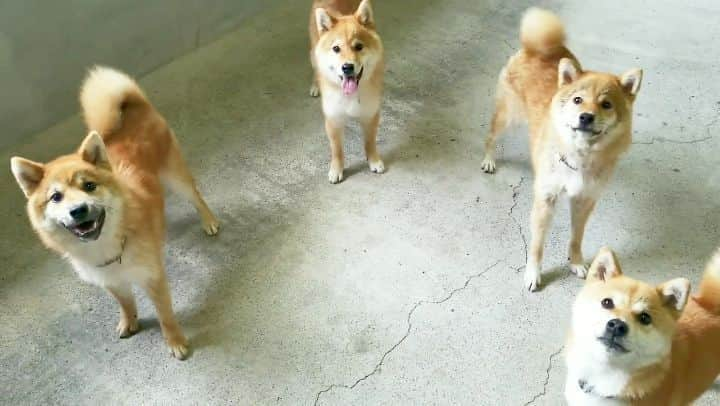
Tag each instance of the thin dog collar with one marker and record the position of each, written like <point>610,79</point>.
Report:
<point>117,258</point>
<point>590,390</point>
<point>563,159</point>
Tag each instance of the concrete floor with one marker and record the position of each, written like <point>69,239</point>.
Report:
<point>403,288</point>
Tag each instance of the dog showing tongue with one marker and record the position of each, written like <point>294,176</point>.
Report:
<point>350,85</point>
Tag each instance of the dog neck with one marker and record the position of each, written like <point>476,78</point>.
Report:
<point>117,258</point>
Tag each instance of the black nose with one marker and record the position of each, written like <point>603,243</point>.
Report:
<point>348,68</point>
<point>586,119</point>
<point>616,328</point>
<point>79,212</point>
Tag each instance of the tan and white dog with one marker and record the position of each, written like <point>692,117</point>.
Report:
<point>635,344</point>
<point>103,206</point>
<point>580,123</point>
<point>347,56</point>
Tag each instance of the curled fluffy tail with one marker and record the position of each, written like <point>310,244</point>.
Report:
<point>542,31</point>
<point>709,295</point>
<point>104,95</point>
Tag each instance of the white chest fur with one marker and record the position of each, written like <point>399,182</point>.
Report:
<point>574,176</point>
<point>365,103</point>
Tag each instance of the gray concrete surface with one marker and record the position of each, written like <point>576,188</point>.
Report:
<point>397,289</point>
<point>45,47</point>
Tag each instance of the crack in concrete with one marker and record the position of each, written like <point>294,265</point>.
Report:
<point>407,332</point>
<point>663,140</point>
<point>547,377</point>
<point>515,194</point>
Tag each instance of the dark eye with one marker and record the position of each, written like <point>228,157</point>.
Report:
<point>56,197</point>
<point>359,47</point>
<point>336,49</point>
<point>577,100</point>
<point>606,105</point>
<point>644,318</point>
<point>607,303</point>
<point>89,186</point>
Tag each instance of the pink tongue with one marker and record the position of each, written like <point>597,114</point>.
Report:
<point>350,86</point>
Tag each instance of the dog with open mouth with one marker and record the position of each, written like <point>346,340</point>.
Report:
<point>103,206</point>
<point>347,58</point>
<point>580,123</point>
<point>632,343</point>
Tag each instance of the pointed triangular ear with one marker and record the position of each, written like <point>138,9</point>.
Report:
<point>28,174</point>
<point>605,266</point>
<point>323,20</point>
<point>630,81</point>
<point>93,150</point>
<point>364,13</point>
<point>675,293</point>
<point>568,72</point>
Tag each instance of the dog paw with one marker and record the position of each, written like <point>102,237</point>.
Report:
<point>211,227</point>
<point>532,278</point>
<point>314,90</point>
<point>579,269</point>
<point>377,166</point>
<point>488,165</point>
<point>179,349</point>
<point>126,328</point>
<point>335,175</point>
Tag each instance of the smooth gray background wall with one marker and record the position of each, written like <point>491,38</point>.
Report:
<point>46,46</point>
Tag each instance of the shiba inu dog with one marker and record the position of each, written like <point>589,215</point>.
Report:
<point>636,344</point>
<point>580,123</point>
<point>347,56</point>
<point>103,207</point>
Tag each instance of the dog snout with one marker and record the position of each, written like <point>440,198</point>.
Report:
<point>616,328</point>
<point>348,69</point>
<point>79,212</point>
<point>586,119</point>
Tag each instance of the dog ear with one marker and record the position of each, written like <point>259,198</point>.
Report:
<point>364,13</point>
<point>605,266</point>
<point>28,174</point>
<point>630,81</point>
<point>675,293</point>
<point>93,150</point>
<point>323,20</point>
<point>568,72</point>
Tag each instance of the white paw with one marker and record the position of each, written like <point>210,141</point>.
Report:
<point>211,227</point>
<point>335,176</point>
<point>377,166</point>
<point>179,350</point>
<point>579,269</point>
<point>532,278</point>
<point>488,164</point>
<point>127,328</point>
<point>314,90</point>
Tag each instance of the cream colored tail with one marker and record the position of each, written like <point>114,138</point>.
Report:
<point>542,31</point>
<point>104,94</point>
<point>709,295</point>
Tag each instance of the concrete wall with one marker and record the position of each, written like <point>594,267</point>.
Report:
<point>46,46</point>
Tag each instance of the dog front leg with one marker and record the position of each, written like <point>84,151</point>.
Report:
<point>580,209</point>
<point>128,324</point>
<point>335,130</point>
<point>370,129</point>
<point>540,219</point>
<point>159,292</point>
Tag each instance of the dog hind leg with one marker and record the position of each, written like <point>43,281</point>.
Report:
<point>178,178</point>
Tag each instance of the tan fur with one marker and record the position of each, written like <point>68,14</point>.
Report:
<point>536,85</point>
<point>137,152</point>
<point>695,360</point>
<point>693,363</point>
<point>349,22</point>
